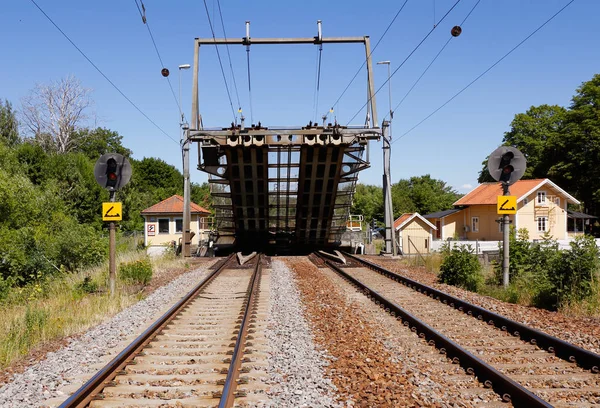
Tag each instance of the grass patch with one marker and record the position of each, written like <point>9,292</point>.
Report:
<point>65,305</point>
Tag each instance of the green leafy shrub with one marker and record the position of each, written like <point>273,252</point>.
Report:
<point>460,267</point>
<point>5,286</point>
<point>519,249</point>
<point>87,285</point>
<point>575,271</point>
<point>137,272</point>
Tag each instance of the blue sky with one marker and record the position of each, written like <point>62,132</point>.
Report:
<point>449,146</point>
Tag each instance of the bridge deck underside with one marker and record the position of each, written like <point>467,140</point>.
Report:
<point>285,195</point>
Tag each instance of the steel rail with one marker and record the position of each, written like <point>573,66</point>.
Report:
<point>88,391</point>
<point>509,390</point>
<point>228,396</point>
<point>562,349</point>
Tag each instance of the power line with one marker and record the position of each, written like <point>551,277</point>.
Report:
<point>249,83</point>
<point>229,57</point>
<point>220,62</point>
<point>406,59</point>
<point>487,70</point>
<point>102,73</point>
<point>369,56</point>
<point>318,80</point>
<point>145,21</point>
<point>432,61</point>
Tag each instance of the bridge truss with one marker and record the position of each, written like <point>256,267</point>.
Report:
<point>289,187</point>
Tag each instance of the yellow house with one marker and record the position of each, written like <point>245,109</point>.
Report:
<point>413,234</point>
<point>449,223</point>
<point>164,222</point>
<point>541,209</point>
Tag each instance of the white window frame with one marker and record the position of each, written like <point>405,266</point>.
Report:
<point>540,194</point>
<point>544,220</point>
<point>178,219</point>
<point>475,224</point>
<point>168,223</point>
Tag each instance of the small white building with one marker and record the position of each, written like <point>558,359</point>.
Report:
<point>164,223</point>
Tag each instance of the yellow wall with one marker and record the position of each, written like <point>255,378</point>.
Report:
<point>197,225</point>
<point>488,227</point>
<point>452,224</point>
<point>420,235</point>
<point>557,215</point>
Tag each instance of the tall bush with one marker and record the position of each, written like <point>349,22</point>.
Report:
<point>460,267</point>
<point>575,271</point>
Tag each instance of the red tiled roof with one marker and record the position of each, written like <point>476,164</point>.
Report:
<point>487,193</point>
<point>401,219</point>
<point>173,205</point>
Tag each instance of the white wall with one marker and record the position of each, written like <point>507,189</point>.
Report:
<point>492,245</point>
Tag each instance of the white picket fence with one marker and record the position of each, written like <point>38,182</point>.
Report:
<point>485,246</point>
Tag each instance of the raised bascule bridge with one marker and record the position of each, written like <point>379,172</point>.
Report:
<point>287,187</point>
<point>282,187</point>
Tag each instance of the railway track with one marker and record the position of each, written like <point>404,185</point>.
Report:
<point>524,366</point>
<point>205,351</point>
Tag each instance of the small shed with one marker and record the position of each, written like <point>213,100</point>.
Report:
<point>164,223</point>
<point>413,234</point>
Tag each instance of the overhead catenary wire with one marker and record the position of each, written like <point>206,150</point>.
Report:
<point>432,61</point>
<point>162,64</point>
<point>487,70</point>
<point>237,95</point>
<point>318,80</point>
<point>406,59</point>
<point>366,59</point>
<point>249,83</point>
<point>102,73</point>
<point>220,62</point>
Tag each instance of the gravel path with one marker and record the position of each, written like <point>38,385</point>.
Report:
<point>44,380</point>
<point>583,332</point>
<point>296,367</point>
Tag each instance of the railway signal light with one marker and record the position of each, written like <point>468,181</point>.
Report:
<point>507,164</point>
<point>112,171</point>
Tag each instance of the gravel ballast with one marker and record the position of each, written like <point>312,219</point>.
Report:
<point>581,331</point>
<point>296,366</point>
<point>364,372</point>
<point>77,362</point>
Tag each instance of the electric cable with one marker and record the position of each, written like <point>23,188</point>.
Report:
<point>319,56</point>
<point>249,84</point>
<point>404,62</point>
<point>486,71</point>
<point>162,65</point>
<point>102,73</point>
<point>220,62</point>
<point>237,95</point>
<point>432,61</point>
<point>366,59</point>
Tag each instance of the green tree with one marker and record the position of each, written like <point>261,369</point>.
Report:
<point>422,194</point>
<point>562,144</point>
<point>200,194</point>
<point>9,126</point>
<point>536,134</point>
<point>96,142</point>
<point>368,201</point>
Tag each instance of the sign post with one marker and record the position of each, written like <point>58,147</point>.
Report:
<point>507,165</point>
<point>112,171</point>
